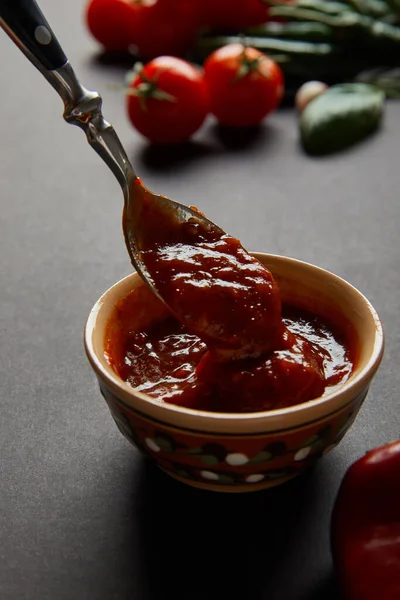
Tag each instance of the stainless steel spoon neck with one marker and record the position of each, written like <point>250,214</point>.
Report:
<point>83,108</point>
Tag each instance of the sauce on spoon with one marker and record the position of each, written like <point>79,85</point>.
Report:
<point>211,284</point>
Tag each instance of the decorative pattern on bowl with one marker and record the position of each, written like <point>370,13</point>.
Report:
<point>229,462</point>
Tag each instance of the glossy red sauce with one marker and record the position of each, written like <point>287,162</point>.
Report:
<point>173,365</point>
<point>220,292</point>
<point>211,284</point>
<point>228,349</point>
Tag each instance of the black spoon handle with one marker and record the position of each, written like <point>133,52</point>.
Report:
<point>27,26</point>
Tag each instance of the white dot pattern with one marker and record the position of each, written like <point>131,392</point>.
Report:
<point>255,478</point>
<point>42,35</point>
<point>236,459</point>
<point>209,475</point>
<point>152,445</point>
<point>302,453</point>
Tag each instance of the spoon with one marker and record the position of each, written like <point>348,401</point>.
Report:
<point>26,25</point>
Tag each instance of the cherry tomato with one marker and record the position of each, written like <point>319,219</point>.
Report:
<point>167,100</point>
<point>233,14</point>
<point>164,27</point>
<point>244,85</point>
<point>109,22</point>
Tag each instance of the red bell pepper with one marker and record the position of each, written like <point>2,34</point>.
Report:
<point>365,531</point>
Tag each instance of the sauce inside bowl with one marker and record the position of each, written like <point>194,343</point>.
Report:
<point>167,362</point>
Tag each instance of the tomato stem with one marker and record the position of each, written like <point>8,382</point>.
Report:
<point>147,88</point>
<point>247,65</point>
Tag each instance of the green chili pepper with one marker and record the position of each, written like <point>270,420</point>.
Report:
<point>299,31</point>
<point>322,6</point>
<point>385,32</point>
<point>211,43</point>
<point>342,20</point>
<point>373,8</point>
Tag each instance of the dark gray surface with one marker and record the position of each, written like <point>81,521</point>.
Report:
<point>82,515</point>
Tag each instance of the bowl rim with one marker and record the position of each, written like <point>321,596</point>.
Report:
<point>167,413</point>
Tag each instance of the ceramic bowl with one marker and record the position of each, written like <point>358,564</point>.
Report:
<point>249,451</point>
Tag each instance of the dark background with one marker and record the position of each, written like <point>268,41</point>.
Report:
<point>83,516</point>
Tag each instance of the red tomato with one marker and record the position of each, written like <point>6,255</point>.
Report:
<point>109,22</point>
<point>244,85</point>
<point>164,27</point>
<point>167,100</point>
<point>233,14</point>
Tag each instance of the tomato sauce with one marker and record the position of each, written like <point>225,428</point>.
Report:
<point>228,346</point>
<point>210,283</point>
<point>219,291</point>
<point>173,365</point>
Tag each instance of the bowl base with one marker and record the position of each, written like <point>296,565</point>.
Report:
<point>231,489</point>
